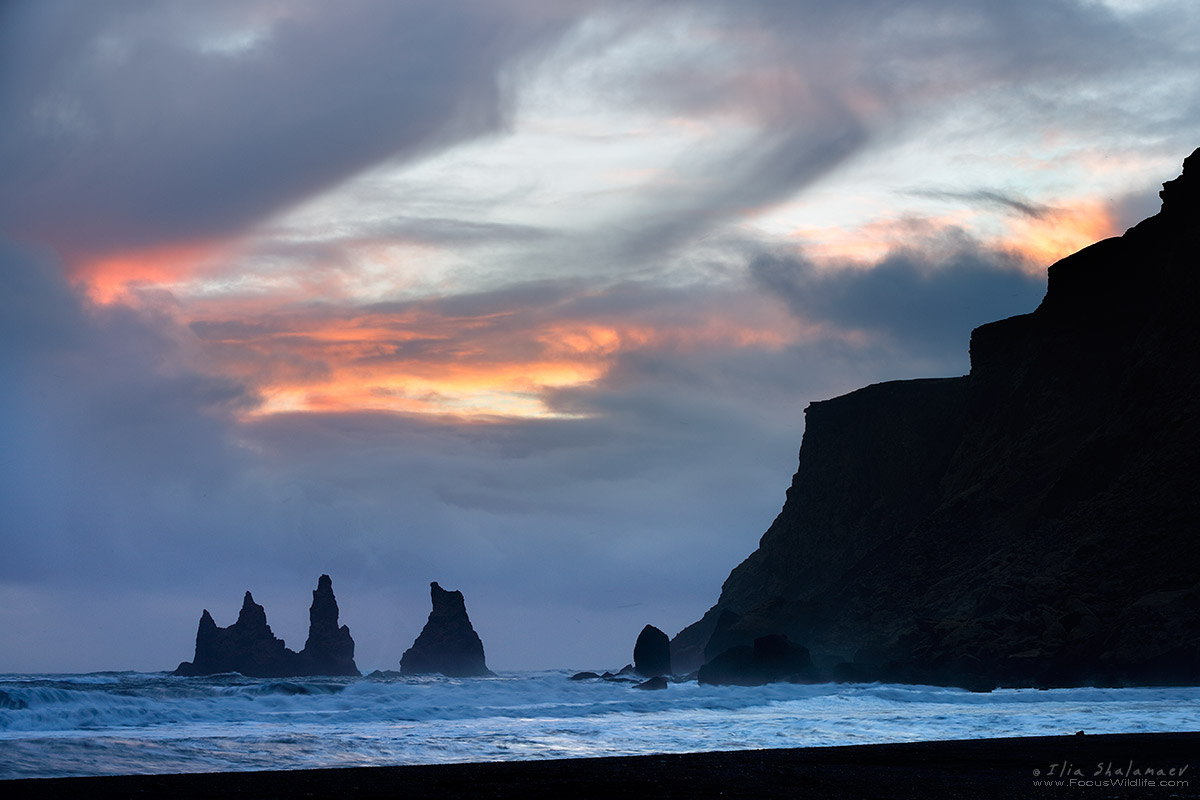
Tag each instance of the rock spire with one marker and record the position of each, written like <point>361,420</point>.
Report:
<point>447,644</point>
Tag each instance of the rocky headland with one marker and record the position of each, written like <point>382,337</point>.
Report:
<point>448,644</point>
<point>249,647</point>
<point>1032,523</point>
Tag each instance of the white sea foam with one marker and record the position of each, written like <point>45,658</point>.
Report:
<point>144,723</point>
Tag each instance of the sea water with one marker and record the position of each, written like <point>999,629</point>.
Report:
<point>123,723</point>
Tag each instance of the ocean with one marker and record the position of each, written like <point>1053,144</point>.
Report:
<point>126,722</point>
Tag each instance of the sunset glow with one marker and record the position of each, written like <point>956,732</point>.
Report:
<point>1061,232</point>
<point>106,278</point>
<point>467,367</point>
<point>528,297</point>
<point>505,363</point>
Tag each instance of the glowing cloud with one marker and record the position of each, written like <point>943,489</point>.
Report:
<point>496,363</point>
<point>1058,233</point>
<point>109,277</point>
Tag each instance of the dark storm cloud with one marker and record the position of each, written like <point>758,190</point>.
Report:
<point>129,125</point>
<point>916,300</point>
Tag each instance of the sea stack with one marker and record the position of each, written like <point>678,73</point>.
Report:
<point>1032,523</point>
<point>448,644</point>
<point>329,649</point>
<point>249,647</point>
<point>652,653</point>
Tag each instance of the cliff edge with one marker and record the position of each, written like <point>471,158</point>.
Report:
<point>1031,523</point>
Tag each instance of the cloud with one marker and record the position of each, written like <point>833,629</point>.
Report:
<point>133,492</point>
<point>1011,202</point>
<point>785,94</point>
<point>100,426</point>
<point>165,142</point>
<point>142,125</point>
<point>136,492</point>
<point>921,299</point>
<point>495,352</point>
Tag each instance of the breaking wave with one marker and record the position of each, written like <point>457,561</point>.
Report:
<point>153,722</point>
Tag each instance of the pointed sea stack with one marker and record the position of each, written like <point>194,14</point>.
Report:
<point>247,646</point>
<point>652,653</point>
<point>329,649</point>
<point>447,644</point>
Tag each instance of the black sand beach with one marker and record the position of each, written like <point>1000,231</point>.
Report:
<point>1159,765</point>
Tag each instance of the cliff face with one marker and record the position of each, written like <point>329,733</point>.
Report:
<point>1032,523</point>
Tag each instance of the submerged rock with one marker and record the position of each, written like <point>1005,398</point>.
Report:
<point>652,653</point>
<point>654,683</point>
<point>447,644</point>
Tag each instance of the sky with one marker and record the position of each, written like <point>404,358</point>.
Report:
<point>526,297</point>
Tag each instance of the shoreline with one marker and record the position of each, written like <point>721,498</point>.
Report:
<point>1088,766</point>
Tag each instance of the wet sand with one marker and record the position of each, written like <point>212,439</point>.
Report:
<point>1106,766</point>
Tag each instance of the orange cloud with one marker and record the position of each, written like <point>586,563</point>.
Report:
<point>1040,240</point>
<point>107,277</point>
<point>1057,234</point>
<point>417,361</point>
<point>872,242</point>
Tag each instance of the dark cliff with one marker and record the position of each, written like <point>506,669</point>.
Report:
<point>1032,523</point>
<point>250,647</point>
<point>448,643</point>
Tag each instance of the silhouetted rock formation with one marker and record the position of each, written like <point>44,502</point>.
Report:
<point>447,644</point>
<point>1031,523</point>
<point>652,653</point>
<point>248,646</point>
<point>769,660</point>
<point>329,649</point>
